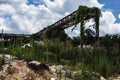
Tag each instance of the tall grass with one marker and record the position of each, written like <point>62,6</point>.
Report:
<point>97,61</point>
<point>102,60</point>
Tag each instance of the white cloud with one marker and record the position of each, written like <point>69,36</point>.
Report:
<point>23,18</point>
<point>3,25</point>
<point>108,25</point>
<point>6,9</point>
<point>119,16</point>
<point>5,1</point>
<point>61,6</point>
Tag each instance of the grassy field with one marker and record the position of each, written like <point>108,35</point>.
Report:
<point>103,59</point>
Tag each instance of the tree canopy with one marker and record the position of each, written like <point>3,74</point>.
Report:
<point>82,15</point>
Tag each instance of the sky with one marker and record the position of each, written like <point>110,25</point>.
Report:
<point>31,16</point>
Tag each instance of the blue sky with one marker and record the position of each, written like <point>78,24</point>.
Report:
<point>113,5</point>
<point>31,16</point>
<point>35,2</point>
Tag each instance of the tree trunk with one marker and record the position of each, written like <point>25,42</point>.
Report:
<point>97,29</point>
<point>82,34</point>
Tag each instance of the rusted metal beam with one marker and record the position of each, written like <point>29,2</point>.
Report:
<point>61,24</point>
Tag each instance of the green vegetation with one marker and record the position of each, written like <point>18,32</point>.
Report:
<point>103,59</point>
<point>82,15</point>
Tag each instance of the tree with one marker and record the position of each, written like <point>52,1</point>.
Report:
<point>96,19</point>
<point>82,15</point>
<point>89,36</point>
